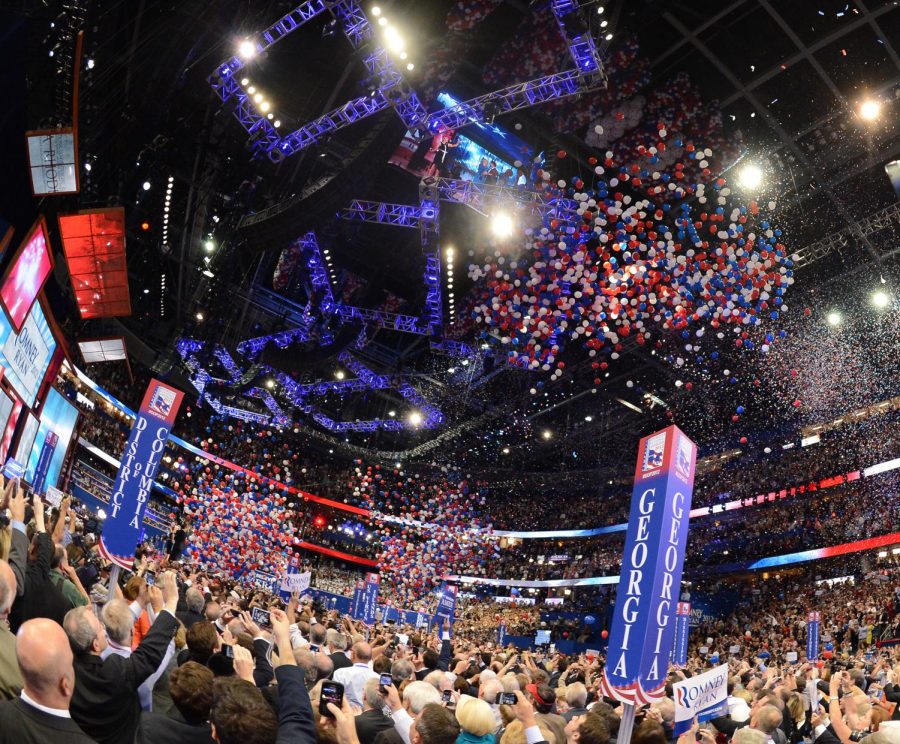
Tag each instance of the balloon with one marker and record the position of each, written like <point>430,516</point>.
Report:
<point>589,619</point>
<point>604,634</point>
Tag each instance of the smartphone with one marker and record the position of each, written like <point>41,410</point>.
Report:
<point>150,578</point>
<point>385,681</point>
<point>877,694</point>
<point>332,692</point>
<point>447,697</point>
<point>227,651</point>
<point>505,698</point>
<point>261,617</point>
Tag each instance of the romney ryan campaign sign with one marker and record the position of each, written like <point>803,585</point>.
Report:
<point>140,461</point>
<point>643,626</point>
<point>704,696</point>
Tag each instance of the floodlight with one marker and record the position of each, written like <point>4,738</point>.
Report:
<point>247,49</point>
<point>880,299</point>
<point>834,318</point>
<point>502,225</point>
<point>869,109</point>
<point>415,418</point>
<point>750,177</point>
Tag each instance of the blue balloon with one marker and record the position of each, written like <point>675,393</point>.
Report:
<point>589,619</point>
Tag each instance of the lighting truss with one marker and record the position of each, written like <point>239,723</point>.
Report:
<point>317,272</point>
<point>398,215</point>
<point>391,89</point>
<point>300,395</point>
<point>252,347</point>
<point>382,319</point>
<point>884,219</point>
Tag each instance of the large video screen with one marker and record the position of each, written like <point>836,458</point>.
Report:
<point>23,448</point>
<point>60,417</point>
<point>26,355</point>
<point>26,275</point>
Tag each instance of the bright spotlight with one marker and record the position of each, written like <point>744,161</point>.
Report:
<point>277,123</point>
<point>200,317</point>
<point>410,67</point>
<point>376,11</point>
<point>265,106</point>
<point>394,40</point>
<point>270,384</point>
<point>146,185</point>
<point>245,81</point>
<point>880,299</point>
<point>870,109</point>
<point>750,176</point>
<point>415,418</point>
<point>502,225</point>
<point>547,434</point>
<point>247,49</point>
<point>382,21</point>
<point>506,450</point>
<point>209,245</point>
<point>258,98</point>
<point>251,90</point>
<point>339,374</point>
<point>834,318</point>
<point>392,413</point>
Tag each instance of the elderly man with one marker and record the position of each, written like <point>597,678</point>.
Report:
<point>195,602</point>
<point>354,678</point>
<point>337,645</point>
<point>10,677</point>
<point>576,698</point>
<point>372,720</point>
<point>118,620</point>
<point>106,703</point>
<point>416,696</point>
<point>41,714</point>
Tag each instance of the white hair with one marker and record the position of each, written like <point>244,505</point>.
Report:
<point>419,694</point>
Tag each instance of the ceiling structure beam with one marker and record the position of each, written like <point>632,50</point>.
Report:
<point>772,121</point>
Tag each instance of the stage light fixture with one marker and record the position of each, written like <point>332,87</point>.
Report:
<point>870,109</point>
<point>750,176</point>
<point>146,185</point>
<point>247,49</point>
<point>506,450</point>
<point>600,10</point>
<point>209,245</point>
<point>208,274</point>
<point>410,67</point>
<point>277,123</point>
<point>339,374</point>
<point>502,225</point>
<point>608,37</point>
<point>880,299</point>
<point>245,81</point>
<point>604,24</point>
<point>87,167</point>
<point>258,98</point>
<point>270,116</point>
<point>547,434</point>
<point>394,40</point>
<point>392,413</point>
<point>415,418</point>
<point>270,384</point>
<point>199,317</point>
<point>834,318</point>
<point>145,226</point>
<point>382,21</point>
<point>90,64</point>
<point>251,90</point>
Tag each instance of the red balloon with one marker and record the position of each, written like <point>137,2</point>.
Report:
<point>604,634</point>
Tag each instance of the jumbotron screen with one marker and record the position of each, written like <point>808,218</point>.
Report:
<point>26,355</point>
<point>26,275</point>
<point>58,416</point>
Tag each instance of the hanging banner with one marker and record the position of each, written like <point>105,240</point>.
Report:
<point>43,463</point>
<point>140,461</point>
<point>501,635</point>
<point>643,627</point>
<point>703,695</point>
<point>370,599</point>
<point>812,635</point>
<point>682,631</point>
<point>357,600</point>
<point>446,606</point>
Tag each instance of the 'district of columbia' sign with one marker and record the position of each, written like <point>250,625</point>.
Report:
<point>140,461</point>
<point>643,627</point>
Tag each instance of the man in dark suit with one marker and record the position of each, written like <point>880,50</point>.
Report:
<point>372,721</point>
<point>195,603</point>
<point>41,713</point>
<point>106,703</point>
<point>191,688</point>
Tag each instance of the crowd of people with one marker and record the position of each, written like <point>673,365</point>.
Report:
<point>166,652</point>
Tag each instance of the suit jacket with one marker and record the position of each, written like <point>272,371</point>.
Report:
<point>156,728</point>
<point>296,724</point>
<point>37,595</point>
<point>370,724</point>
<point>106,703</point>
<point>10,676</point>
<point>340,660</point>
<point>189,618</point>
<point>389,736</point>
<point>21,723</point>
<point>892,695</point>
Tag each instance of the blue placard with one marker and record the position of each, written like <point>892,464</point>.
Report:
<point>501,635</point>
<point>43,463</point>
<point>682,632</point>
<point>265,581</point>
<point>134,481</point>
<point>812,636</point>
<point>357,600</point>
<point>643,631</point>
<point>370,599</point>
<point>13,469</point>
<point>446,606</point>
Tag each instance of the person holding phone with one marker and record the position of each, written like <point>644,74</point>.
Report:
<point>372,720</point>
<point>354,678</point>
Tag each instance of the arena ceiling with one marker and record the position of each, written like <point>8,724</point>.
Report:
<point>782,83</point>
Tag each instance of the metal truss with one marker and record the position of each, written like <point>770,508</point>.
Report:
<point>303,396</point>
<point>884,219</point>
<point>398,215</point>
<point>252,347</point>
<point>390,89</point>
<point>382,319</point>
<point>318,275</point>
